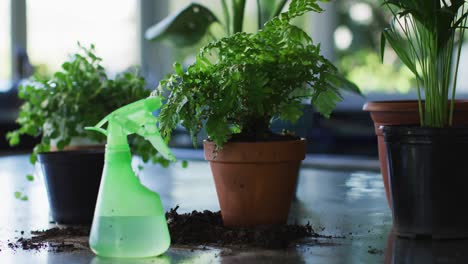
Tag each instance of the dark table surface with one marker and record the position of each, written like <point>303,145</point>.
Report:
<point>349,203</point>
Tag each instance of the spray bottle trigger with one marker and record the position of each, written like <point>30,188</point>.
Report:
<point>98,129</point>
<point>151,133</point>
<point>159,144</point>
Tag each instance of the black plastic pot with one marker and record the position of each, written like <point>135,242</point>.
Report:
<point>72,180</point>
<point>428,171</point>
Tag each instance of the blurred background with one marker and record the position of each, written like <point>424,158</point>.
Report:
<point>38,36</point>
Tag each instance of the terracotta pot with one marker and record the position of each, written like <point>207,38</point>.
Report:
<point>255,181</point>
<point>402,113</point>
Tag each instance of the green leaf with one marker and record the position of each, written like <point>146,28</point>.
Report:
<point>13,138</point>
<point>30,177</point>
<point>382,46</point>
<point>402,48</point>
<point>325,101</point>
<point>339,82</point>
<point>33,158</point>
<point>178,69</point>
<point>235,129</point>
<point>185,28</point>
<point>61,144</point>
<point>291,112</point>
<point>20,196</point>
<point>184,164</point>
<point>218,129</point>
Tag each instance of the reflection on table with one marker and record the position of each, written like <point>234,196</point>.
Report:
<point>349,204</point>
<point>425,251</point>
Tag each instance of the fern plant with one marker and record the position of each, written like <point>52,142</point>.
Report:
<point>239,83</point>
<point>427,36</point>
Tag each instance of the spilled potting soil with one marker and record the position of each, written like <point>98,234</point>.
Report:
<point>194,229</point>
<point>54,240</point>
<point>206,228</point>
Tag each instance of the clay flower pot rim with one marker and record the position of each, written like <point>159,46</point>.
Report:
<point>403,105</point>
<point>256,152</point>
<point>207,141</point>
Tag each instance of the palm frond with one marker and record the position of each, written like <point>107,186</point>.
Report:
<point>423,36</point>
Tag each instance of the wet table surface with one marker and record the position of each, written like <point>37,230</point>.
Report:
<point>348,203</point>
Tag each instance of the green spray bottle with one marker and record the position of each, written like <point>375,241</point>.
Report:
<point>129,219</point>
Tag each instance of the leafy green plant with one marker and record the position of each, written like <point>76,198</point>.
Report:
<point>424,35</point>
<point>239,83</point>
<point>189,25</point>
<point>81,94</point>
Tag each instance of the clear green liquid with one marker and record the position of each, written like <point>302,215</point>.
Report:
<point>129,236</point>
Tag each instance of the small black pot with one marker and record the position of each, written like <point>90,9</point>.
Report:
<point>72,180</point>
<point>428,171</point>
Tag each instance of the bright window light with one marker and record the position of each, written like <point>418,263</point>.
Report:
<point>5,58</point>
<point>343,37</point>
<point>361,13</point>
<point>55,26</point>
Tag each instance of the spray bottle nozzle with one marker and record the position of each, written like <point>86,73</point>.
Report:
<point>134,118</point>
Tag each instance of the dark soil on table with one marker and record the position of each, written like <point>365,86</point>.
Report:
<point>206,228</point>
<point>55,239</point>
<point>194,229</point>
<point>374,251</point>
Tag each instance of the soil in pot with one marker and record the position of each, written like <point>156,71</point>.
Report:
<point>72,181</point>
<point>427,169</point>
<point>255,181</point>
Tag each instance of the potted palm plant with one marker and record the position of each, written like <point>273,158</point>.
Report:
<point>427,163</point>
<point>403,112</point>
<point>234,89</point>
<point>56,109</point>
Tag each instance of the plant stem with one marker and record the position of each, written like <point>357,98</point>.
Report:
<point>259,14</point>
<point>454,87</point>
<point>238,15</point>
<point>227,17</point>
<point>421,114</point>
<point>280,7</point>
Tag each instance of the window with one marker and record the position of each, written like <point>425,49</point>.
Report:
<point>357,43</point>
<point>54,27</point>
<point>5,58</point>
<point>250,24</point>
